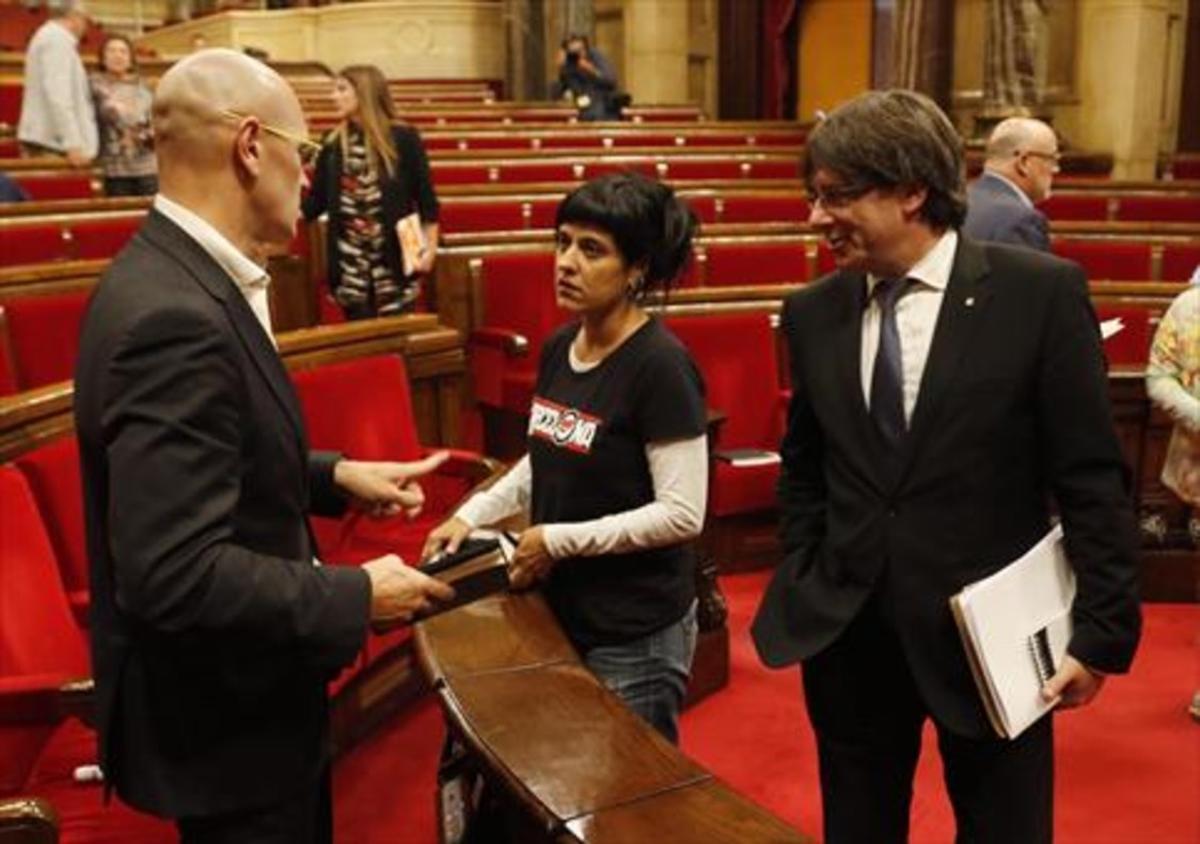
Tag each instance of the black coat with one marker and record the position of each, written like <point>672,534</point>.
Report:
<point>1012,413</point>
<point>213,634</point>
<point>411,189</point>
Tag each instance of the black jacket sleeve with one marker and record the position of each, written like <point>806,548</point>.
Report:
<point>175,450</point>
<point>420,180</point>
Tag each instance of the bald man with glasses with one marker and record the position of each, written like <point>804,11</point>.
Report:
<point>1022,160</point>
<point>214,628</point>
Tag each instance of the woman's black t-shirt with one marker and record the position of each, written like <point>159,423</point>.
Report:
<point>587,438</point>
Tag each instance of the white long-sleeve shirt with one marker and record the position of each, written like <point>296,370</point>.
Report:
<point>56,105</point>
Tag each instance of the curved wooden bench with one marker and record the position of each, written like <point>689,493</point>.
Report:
<point>575,764</point>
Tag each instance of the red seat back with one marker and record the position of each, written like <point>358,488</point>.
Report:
<point>481,216</point>
<point>38,243</point>
<point>39,642</point>
<point>736,354</point>
<point>1131,345</point>
<point>756,263</point>
<point>1160,209</point>
<point>518,294</point>
<point>8,372</point>
<point>1074,206</point>
<point>361,407</point>
<point>1107,259</point>
<point>765,209</point>
<point>104,238</point>
<point>44,332</point>
<point>1180,261</point>
<point>52,471</point>
<point>65,185</point>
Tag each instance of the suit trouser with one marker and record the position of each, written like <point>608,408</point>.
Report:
<point>304,818</point>
<point>868,717</point>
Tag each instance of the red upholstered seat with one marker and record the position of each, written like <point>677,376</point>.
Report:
<point>704,206</point>
<point>9,148</point>
<point>736,354</point>
<point>1180,260</point>
<point>481,216</point>
<point>41,648</point>
<point>765,209</point>
<point>64,185</point>
<point>541,172</point>
<point>1075,206</point>
<point>453,173</point>
<point>716,169</point>
<point>52,471</point>
<point>1107,259</point>
<point>1130,346</point>
<point>104,238</point>
<point>44,332</point>
<point>518,298</point>
<point>825,260</point>
<point>363,408</point>
<point>36,243</point>
<point>10,102</point>
<point>645,166</point>
<point>756,263</point>
<point>542,211</point>
<point>1186,168</point>
<point>1160,209</point>
<point>8,372</point>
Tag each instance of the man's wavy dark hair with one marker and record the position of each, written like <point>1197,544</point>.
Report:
<point>891,139</point>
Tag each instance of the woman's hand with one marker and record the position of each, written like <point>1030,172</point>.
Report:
<point>446,537</point>
<point>531,561</point>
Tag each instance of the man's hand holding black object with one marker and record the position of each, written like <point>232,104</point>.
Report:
<point>398,591</point>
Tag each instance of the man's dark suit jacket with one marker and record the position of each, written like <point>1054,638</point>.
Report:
<point>213,634</point>
<point>998,214</point>
<point>1012,412</point>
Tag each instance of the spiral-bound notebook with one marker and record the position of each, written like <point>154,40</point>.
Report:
<point>1015,626</point>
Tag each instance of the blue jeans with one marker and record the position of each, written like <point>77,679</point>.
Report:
<point>650,674</point>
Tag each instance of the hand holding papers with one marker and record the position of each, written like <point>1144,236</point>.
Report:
<point>1015,626</point>
<point>414,246</point>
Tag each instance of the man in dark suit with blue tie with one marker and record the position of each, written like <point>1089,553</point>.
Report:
<point>945,392</point>
<point>1021,160</point>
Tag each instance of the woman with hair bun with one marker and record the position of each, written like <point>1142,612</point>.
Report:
<point>616,477</point>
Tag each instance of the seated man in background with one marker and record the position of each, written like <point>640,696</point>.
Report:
<point>214,629</point>
<point>1022,158</point>
<point>588,77</point>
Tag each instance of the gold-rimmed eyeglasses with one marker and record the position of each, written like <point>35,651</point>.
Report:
<point>308,149</point>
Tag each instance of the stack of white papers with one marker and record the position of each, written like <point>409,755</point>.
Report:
<point>1015,626</point>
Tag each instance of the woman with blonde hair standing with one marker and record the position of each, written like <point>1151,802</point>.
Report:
<point>372,173</point>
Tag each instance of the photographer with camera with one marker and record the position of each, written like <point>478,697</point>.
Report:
<point>587,78</point>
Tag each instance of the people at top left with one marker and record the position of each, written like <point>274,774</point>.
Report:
<point>371,177</point>
<point>57,117</point>
<point>123,103</point>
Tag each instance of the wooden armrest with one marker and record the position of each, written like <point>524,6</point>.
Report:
<point>28,820</point>
<point>45,699</point>
<point>509,342</point>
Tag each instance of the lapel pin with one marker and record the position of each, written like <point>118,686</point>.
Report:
<point>970,302</point>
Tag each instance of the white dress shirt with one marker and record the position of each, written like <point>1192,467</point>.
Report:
<point>916,315</point>
<point>251,279</point>
<point>56,105</point>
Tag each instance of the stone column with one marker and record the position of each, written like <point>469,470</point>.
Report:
<point>1014,56</point>
<point>656,51</point>
<point>1122,77</point>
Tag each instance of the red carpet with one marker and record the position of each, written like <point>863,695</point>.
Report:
<point>1128,766</point>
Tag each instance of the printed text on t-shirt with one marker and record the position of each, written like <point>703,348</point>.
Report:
<point>565,427</point>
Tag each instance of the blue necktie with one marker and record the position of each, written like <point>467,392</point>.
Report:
<point>887,379</point>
